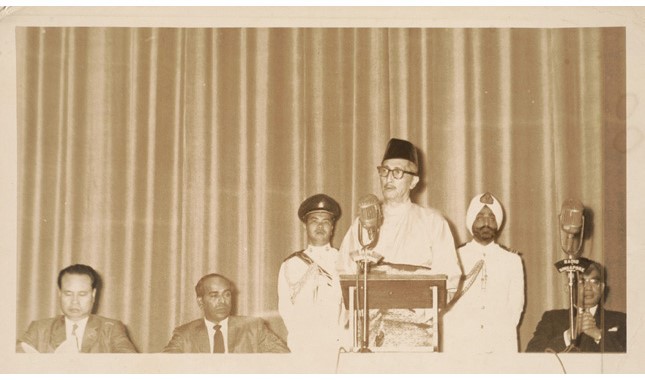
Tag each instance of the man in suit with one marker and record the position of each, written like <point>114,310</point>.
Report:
<point>77,330</point>
<point>218,331</point>
<point>599,330</point>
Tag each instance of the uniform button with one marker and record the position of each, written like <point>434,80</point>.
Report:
<point>482,326</point>
<point>483,307</point>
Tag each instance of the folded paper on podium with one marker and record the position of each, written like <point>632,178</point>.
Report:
<point>404,310</point>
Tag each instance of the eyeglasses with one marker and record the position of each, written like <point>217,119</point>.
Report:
<point>397,173</point>
<point>595,282</point>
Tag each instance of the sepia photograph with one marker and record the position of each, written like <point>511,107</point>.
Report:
<point>322,189</point>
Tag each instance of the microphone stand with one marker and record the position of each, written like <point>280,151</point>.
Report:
<point>571,274</point>
<point>573,266</point>
<point>364,338</point>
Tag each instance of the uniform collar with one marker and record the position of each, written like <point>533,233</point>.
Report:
<point>485,248</point>
<point>312,249</point>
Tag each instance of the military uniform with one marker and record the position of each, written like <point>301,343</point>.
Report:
<point>310,298</point>
<point>488,307</point>
<point>485,318</point>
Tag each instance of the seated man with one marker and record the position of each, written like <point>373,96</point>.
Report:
<point>599,330</point>
<point>77,330</point>
<point>219,332</point>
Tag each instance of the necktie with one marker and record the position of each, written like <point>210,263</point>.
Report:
<point>74,327</point>
<point>218,340</point>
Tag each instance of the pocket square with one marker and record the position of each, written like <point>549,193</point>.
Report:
<point>615,328</point>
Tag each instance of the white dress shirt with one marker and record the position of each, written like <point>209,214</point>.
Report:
<point>80,330</point>
<point>210,327</point>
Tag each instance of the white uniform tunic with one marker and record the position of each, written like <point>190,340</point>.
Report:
<point>485,318</point>
<point>310,301</point>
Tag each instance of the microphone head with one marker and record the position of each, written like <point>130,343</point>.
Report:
<point>369,211</point>
<point>571,216</point>
<point>571,225</point>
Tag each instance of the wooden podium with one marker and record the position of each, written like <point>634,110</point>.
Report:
<point>396,291</point>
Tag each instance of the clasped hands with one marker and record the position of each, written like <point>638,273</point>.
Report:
<point>587,325</point>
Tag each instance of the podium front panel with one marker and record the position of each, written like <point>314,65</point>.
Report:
<point>397,291</point>
<point>391,292</point>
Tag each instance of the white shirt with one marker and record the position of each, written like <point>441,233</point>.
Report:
<point>210,328</point>
<point>410,234</point>
<point>80,330</point>
<point>310,301</point>
<point>485,318</point>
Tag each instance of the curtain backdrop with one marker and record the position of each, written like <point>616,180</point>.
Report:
<point>157,155</point>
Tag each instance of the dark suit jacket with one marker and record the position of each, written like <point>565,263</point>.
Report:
<point>549,332</point>
<point>101,334</point>
<point>245,335</point>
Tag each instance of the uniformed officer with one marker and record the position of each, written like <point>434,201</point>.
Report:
<point>310,299</point>
<point>487,309</point>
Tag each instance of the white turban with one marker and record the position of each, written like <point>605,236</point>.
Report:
<point>478,203</point>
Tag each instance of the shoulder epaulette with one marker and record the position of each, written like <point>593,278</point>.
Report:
<point>295,254</point>
<point>309,261</point>
<point>510,250</point>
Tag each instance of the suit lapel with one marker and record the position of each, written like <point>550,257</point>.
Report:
<point>604,320</point>
<point>91,334</point>
<point>200,338</point>
<point>58,334</point>
<point>233,334</point>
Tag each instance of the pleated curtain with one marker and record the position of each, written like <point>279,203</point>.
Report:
<point>158,155</point>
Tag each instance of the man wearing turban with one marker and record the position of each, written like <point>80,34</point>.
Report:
<point>488,307</point>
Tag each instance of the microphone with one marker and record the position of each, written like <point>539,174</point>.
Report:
<point>571,223</point>
<point>369,215</point>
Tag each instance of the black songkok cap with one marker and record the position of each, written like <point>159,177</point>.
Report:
<point>404,149</point>
<point>319,202</point>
